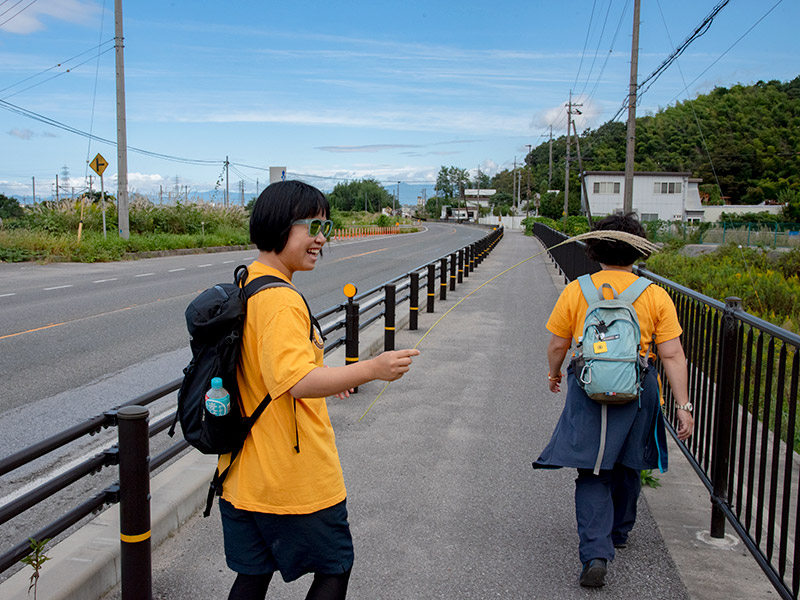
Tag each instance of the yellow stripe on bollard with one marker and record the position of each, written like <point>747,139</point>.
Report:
<point>132,539</point>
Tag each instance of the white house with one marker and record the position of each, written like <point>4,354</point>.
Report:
<point>665,196</point>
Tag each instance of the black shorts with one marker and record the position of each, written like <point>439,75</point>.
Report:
<point>260,543</point>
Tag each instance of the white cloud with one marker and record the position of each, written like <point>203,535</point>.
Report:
<point>368,148</point>
<point>23,134</point>
<point>31,17</point>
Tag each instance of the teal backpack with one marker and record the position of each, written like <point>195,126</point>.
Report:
<point>608,365</point>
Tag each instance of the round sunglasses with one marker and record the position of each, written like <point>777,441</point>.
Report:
<point>315,225</point>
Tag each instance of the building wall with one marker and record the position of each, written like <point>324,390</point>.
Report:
<point>713,213</point>
<point>670,204</point>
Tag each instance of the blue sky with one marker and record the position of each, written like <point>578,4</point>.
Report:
<point>344,90</point>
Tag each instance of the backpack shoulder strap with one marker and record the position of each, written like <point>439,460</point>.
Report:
<point>634,290</point>
<point>591,293</point>
<point>270,281</point>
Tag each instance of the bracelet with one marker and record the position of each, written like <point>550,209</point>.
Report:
<point>557,378</point>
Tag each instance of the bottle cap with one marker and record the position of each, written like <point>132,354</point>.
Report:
<point>216,383</point>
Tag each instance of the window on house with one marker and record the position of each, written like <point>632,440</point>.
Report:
<point>606,187</point>
<point>664,187</point>
<point>648,217</point>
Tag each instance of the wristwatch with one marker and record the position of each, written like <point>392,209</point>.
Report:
<point>687,407</point>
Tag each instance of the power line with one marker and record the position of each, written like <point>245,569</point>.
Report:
<point>20,11</point>
<point>63,62</point>
<point>53,123</point>
<point>753,26</point>
<point>586,42</point>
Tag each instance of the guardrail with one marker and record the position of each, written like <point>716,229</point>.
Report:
<point>743,382</point>
<point>131,454</point>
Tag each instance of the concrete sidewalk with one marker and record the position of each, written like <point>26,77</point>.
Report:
<point>442,499</point>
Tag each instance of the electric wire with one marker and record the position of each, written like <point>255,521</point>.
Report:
<point>57,75</point>
<point>94,94</point>
<point>57,124</point>
<point>596,51</point>
<point>753,26</point>
<point>586,42</point>
<point>24,8</point>
<point>57,65</point>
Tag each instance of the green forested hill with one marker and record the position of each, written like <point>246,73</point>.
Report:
<point>751,135</point>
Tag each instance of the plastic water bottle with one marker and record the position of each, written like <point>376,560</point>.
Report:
<point>218,400</point>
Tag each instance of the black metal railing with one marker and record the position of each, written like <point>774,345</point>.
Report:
<point>374,307</point>
<point>743,382</point>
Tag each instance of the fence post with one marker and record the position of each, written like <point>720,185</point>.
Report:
<point>466,261</point>
<point>461,266</point>
<point>134,503</point>
<point>443,278</point>
<point>453,271</point>
<point>431,286</point>
<point>351,334</point>
<point>389,295</point>
<point>727,376</point>
<point>413,302</point>
<point>471,257</point>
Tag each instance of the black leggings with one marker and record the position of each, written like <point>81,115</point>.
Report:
<point>324,587</point>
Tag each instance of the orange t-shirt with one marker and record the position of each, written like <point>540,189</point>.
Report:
<point>269,475</point>
<point>658,319</point>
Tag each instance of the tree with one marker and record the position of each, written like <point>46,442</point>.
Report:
<point>444,187</point>
<point>355,195</point>
<point>9,208</point>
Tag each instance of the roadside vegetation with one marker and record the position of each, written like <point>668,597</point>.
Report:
<point>48,231</point>
<point>767,280</point>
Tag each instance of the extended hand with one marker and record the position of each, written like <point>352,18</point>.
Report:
<point>392,365</point>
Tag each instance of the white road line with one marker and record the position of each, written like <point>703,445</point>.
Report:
<point>58,287</point>
<point>144,274</point>
<point>105,280</point>
<point>225,262</point>
<point>4,295</point>
<point>176,270</point>
<point>203,266</point>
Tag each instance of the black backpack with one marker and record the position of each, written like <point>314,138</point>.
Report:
<point>215,320</point>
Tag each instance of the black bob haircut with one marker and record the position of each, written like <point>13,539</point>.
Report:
<point>617,254</point>
<point>278,206</point>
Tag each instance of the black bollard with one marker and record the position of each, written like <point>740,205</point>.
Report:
<point>134,503</point>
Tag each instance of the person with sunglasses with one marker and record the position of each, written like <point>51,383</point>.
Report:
<point>283,504</point>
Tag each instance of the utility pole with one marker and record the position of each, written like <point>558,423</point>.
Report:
<point>122,135</point>
<point>528,205</point>
<point>227,187</point>
<point>583,181</point>
<point>398,197</point>
<point>56,188</point>
<point>514,183</point>
<point>550,171</point>
<point>33,179</point>
<point>570,104</point>
<point>627,202</point>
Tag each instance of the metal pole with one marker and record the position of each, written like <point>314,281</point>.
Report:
<point>103,203</point>
<point>461,265</point>
<point>227,184</point>
<point>566,160</point>
<point>413,302</point>
<point>627,201</point>
<point>134,503</point>
<point>351,334</point>
<point>583,181</point>
<point>122,136</point>
<point>443,278</point>
<point>390,294</point>
<point>431,286</point>
<point>453,271</point>
<point>723,413</point>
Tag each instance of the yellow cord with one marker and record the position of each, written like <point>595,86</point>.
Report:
<point>452,307</point>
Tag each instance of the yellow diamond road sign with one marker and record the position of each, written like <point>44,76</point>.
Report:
<point>98,165</point>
